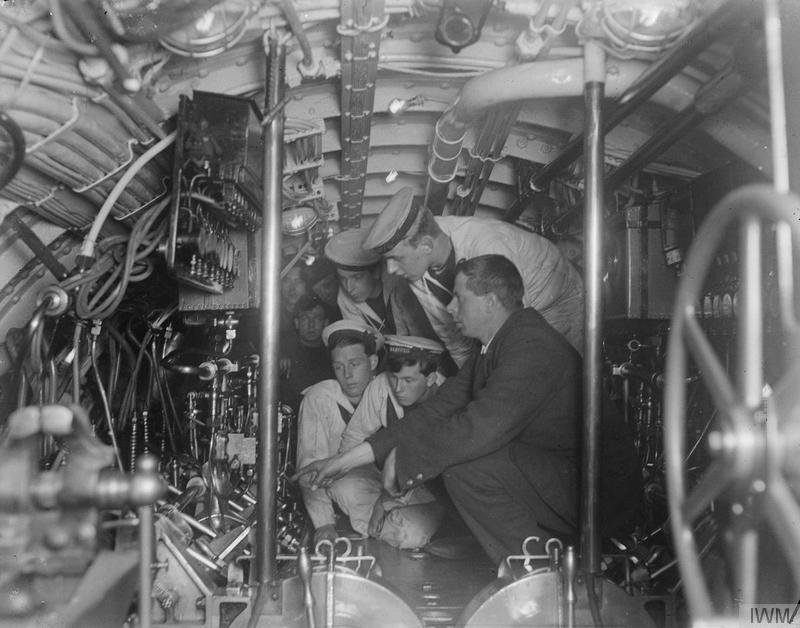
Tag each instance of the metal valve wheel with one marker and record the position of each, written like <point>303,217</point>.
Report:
<point>754,445</point>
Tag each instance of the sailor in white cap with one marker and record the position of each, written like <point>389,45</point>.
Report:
<point>424,249</point>
<point>371,295</point>
<point>411,378</point>
<point>325,411</point>
<point>361,296</point>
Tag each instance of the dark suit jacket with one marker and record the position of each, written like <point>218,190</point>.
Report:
<point>523,390</point>
<point>525,393</point>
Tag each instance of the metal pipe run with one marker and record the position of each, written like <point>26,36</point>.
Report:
<point>562,78</point>
<point>678,126</point>
<point>147,535</point>
<point>782,172</point>
<point>594,148</point>
<point>267,462</point>
<point>647,84</point>
<point>710,98</point>
<point>296,24</point>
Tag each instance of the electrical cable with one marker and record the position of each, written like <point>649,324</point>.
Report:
<point>164,387</point>
<point>165,420</point>
<point>77,334</point>
<point>44,127</point>
<point>75,157</point>
<point>124,260</point>
<point>45,66</point>
<point>35,35</point>
<point>124,345</point>
<point>129,396</point>
<point>12,165</point>
<point>104,400</point>
<point>60,85</point>
<point>124,117</point>
<point>92,123</point>
<point>87,249</point>
<point>115,359</point>
<point>61,29</point>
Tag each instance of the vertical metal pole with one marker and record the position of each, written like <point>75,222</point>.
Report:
<point>750,381</point>
<point>146,464</point>
<point>780,132</point>
<point>265,561</point>
<point>648,83</point>
<point>777,96</point>
<point>594,65</point>
<point>146,543</point>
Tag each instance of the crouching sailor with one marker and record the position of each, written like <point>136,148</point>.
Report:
<point>410,519</point>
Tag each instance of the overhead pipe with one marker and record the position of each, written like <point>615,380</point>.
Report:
<point>264,572</point>
<point>553,79</point>
<point>594,149</point>
<point>647,84</point>
<point>710,98</point>
<point>296,25</point>
<point>538,79</point>
<point>782,172</point>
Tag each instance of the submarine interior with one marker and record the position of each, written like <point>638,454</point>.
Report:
<point>167,166</point>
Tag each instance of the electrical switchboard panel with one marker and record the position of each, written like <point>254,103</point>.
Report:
<point>217,206</point>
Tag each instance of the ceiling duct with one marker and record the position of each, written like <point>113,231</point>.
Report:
<point>645,27</point>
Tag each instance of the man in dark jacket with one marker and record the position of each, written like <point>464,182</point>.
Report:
<point>505,432</point>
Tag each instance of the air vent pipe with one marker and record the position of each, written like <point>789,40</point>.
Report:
<point>558,79</point>
<point>647,84</point>
<point>526,81</point>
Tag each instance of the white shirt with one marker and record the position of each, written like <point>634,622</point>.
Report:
<point>372,412</point>
<point>370,416</point>
<point>552,285</point>
<point>319,434</point>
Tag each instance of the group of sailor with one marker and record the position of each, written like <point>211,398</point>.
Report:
<point>497,310</point>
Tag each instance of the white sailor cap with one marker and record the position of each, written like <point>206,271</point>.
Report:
<point>346,250</point>
<point>413,347</point>
<point>354,329</point>
<point>394,223</point>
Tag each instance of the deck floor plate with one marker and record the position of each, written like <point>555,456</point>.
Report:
<point>436,588</point>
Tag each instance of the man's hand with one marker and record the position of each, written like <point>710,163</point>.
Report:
<point>325,533</point>
<point>390,484</point>
<point>323,473</point>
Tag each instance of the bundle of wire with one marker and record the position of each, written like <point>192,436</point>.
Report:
<point>122,259</point>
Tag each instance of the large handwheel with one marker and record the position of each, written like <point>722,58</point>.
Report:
<point>755,444</point>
